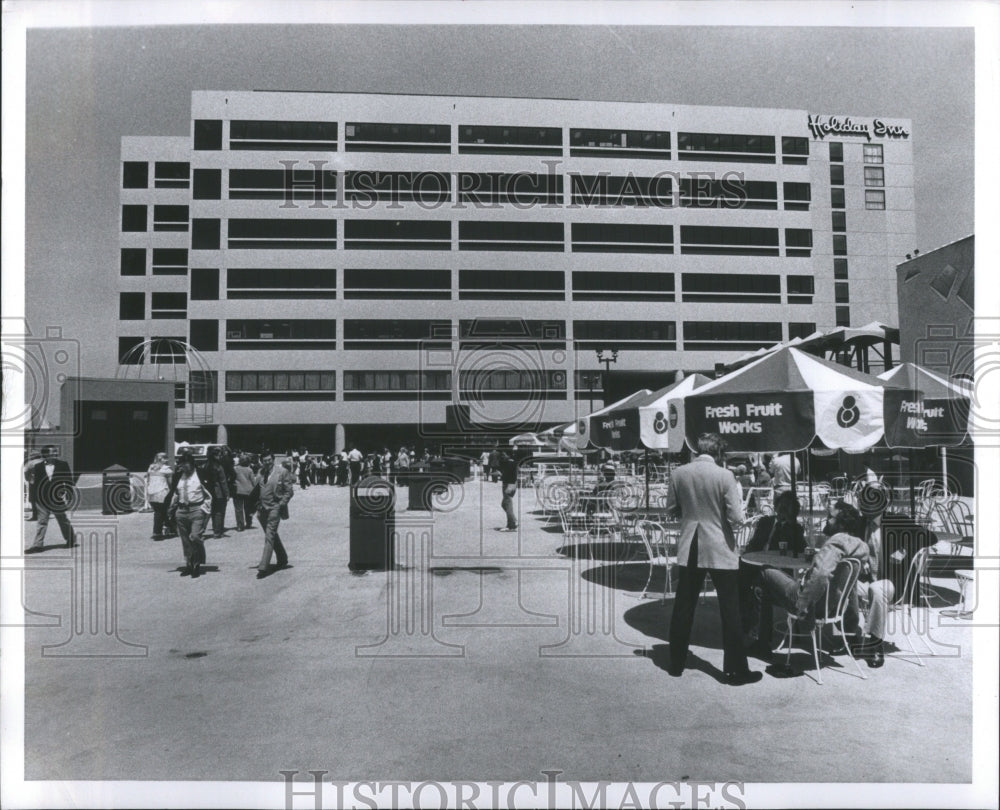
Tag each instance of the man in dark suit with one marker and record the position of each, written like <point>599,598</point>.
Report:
<point>52,482</point>
<point>706,496</point>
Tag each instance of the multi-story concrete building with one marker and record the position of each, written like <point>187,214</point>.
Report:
<point>349,265</point>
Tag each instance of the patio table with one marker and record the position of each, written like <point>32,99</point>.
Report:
<point>774,559</point>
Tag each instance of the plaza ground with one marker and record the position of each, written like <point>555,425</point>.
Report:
<point>486,655</point>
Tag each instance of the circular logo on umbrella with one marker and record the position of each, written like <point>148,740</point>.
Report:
<point>659,423</point>
<point>581,426</point>
<point>848,414</point>
<point>672,410</point>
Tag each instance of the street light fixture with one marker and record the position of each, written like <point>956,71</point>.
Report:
<point>606,356</point>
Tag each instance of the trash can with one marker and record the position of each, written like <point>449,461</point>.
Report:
<point>457,468</point>
<point>421,485</point>
<point>373,523</point>
<point>116,491</point>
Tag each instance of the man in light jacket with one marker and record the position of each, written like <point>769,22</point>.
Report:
<point>706,496</point>
<point>276,491</point>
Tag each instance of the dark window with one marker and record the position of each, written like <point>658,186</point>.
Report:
<point>247,386</point>
<point>708,239</point>
<point>207,184</point>
<point>170,218</point>
<point>801,289</point>
<point>730,192</point>
<point>512,332</point>
<point>397,234</point>
<point>205,234</point>
<point>839,245</point>
<point>204,283</point>
<point>836,174</point>
<point>843,316</point>
<point>794,150</point>
<point>397,385</point>
<point>874,199</point>
<point>798,241</point>
<point>203,386</point>
<point>841,292</point>
<point>128,354</point>
<point>397,334</point>
<point>625,334</point>
<point>168,305</point>
<point>836,152</point>
<point>395,284</point>
<point>494,140</point>
<point>602,189</point>
<point>207,134</point>
<point>135,174</point>
<point>800,329</point>
<point>281,334</point>
<point>593,237</point>
<point>131,306</point>
<point>838,221</point>
<point>741,288</point>
<point>171,174</point>
<point>133,261</point>
<point>840,268</point>
<point>511,285</point>
<point>276,234</point>
<point>167,350</point>
<point>732,335</point>
<point>374,137</point>
<point>283,135</point>
<point>607,285</point>
<point>281,282</point>
<point>797,196</point>
<point>496,188</point>
<point>740,148</point>
<point>133,218</point>
<point>534,236</point>
<point>497,383</point>
<point>944,281</point>
<point>367,187</point>
<point>619,143</point>
<point>297,181</point>
<point>836,198</point>
<point>170,261</point>
<point>204,335</point>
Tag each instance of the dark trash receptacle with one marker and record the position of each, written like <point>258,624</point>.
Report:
<point>421,487</point>
<point>373,522</point>
<point>116,491</point>
<point>458,469</point>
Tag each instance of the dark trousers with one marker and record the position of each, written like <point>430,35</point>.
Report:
<point>355,472</point>
<point>689,584</point>
<point>269,522</point>
<point>219,515</point>
<point>159,517</point>
<point>244,511</point>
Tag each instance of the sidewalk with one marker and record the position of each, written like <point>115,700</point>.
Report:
<point>485,655</point>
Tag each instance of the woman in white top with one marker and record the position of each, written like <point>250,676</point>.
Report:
<point>193,505</point>
<point>157,486</point>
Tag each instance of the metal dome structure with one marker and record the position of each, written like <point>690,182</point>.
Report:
<point>172,360</point>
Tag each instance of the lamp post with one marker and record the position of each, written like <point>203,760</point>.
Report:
<point>606,356</point>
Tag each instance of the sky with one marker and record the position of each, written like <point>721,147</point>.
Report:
<point>87,87</point>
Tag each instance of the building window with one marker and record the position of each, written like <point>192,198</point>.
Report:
<point>500,140</point>
<point>293,183</point>
<point>133,218</point>
<point>843,316</point>
<point>170,218</point>
<point>281,334</point>
<point>171,174</point>
<point>167,350</point>
<point>523,188</point>
<point>204,335</point>
<point>373,137</point>
<point>273,283</point>
<point>719,147</point>
<point>167,305</point>
<point>296,136</point>
<point>874,199</point>
<point>840,268</point>
<point>837,174</point>
<point>836,152</point>
<point>131,306</point>
<point>841,292</point>
<point>394,335</point>
<point>207,134</point>
<point>486,332</point>
<point>205,284</point>
<point>282,234</point>
<point>874,176</point>
<point>800,289</point>
<point>723,241</point>
<point>944,281</point>
<point>393,284</point>
<point>798,242</point>
<point>730,335</point>
<point>203,386</point>
<point>207,184</point>
<point>619,190</point>
<point>797,196</point>
<point>618,143</point>
<point>837,198</point>
<point>625,334</point>
<point>731,192</point>
<point>365,188</point>
<point>839,245</point>
<point>873,152</point>
<point>838,220</point>
<point>511,285</point>
<point>205,234</point>
<point>610,285</point>
<point>397,234</point>
<point>133,261</point>
<point>128,354</point>
<point>135,174</point>
<point>495,383</point>
<point>594,237</point>
<point>510,236</point>
<point>740,288</point>
<point>170,262</point>
<point>397,385</point>
<point>794,150</point>
<point>251,386</point>
<point>800,329</point>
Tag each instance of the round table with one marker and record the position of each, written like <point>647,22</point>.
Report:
<point>774,559</point>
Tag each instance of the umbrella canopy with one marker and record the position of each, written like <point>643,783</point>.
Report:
<point>582,432</point>
<point>928,411</point>
<point>785,401</point>
<point>527,440</point>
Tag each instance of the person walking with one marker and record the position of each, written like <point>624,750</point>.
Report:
<point>243,497</point>
<point>706,496</point>
<point>355,458</point>
<point>402,466</point>
<point>508,484</point>
<point>52,481</point>
<point>275,492</point>
<point>28,470</point>
<point>217,482</point>
<point>157,486</point>
<point>191,502</point>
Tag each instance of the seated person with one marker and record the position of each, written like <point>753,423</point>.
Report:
<point>803,599</point>
<point>743,478</point>
<point>601,492</point>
